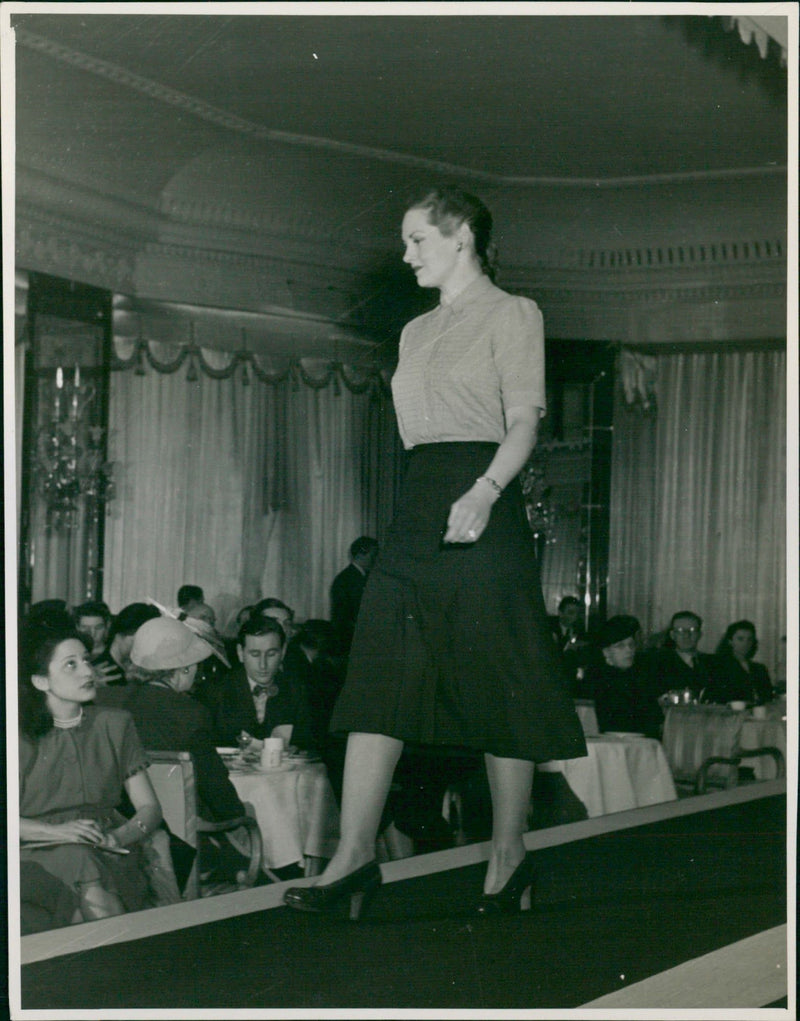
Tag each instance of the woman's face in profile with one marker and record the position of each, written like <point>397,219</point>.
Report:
<point>183,678</point>
<point>430,254</point>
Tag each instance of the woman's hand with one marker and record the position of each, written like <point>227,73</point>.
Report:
<point>110,839</point>
<point>84,831</point>
<point>469,515</point>
<point>104,672</point>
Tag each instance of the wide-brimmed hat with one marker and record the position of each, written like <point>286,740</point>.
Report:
<point>167,644</point>
<point>205,631</point>
<point>617,629</point>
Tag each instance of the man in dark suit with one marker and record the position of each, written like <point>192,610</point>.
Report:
<point>257,697</point>
<point>568,634</point>
<point>347,589</point>
<point>679,665</point>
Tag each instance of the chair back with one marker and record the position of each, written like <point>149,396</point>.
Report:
<point>695,733</point>
<point>172,776</point>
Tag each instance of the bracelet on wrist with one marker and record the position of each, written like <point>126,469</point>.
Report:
<point>495,486</point>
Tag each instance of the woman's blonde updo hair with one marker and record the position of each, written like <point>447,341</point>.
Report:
<point>448,208</point>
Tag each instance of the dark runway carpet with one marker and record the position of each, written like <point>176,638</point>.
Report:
<point>610,911</point>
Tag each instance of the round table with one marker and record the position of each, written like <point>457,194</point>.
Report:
<point>295,809</point>
<point>618,773</point>
<point>768,732</point>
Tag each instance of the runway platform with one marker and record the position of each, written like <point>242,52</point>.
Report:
<point>676,906</point>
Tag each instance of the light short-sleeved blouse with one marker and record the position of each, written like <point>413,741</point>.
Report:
<point>462,364</point>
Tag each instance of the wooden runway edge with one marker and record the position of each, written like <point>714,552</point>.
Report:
<point>748,974</point>
<point>141,924</point>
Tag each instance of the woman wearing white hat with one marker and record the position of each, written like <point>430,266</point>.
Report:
<point>166,654</point>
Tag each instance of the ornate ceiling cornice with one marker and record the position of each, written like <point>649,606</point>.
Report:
<point>661,295</point>
<point>704,255</point>
<point>74,250</point>
<point>585,284</point>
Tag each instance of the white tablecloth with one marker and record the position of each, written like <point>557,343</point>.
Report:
<point>770,732</point>
<point>619,773</point>
<point>296,812</point>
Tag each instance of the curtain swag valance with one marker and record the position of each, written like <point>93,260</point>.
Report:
<point>311,372</point>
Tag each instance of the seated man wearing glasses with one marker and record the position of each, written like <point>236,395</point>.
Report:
<point>679,665</point>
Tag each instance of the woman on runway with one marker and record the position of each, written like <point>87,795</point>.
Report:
<point>452,645</point>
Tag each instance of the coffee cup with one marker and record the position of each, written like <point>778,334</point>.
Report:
<point>759,712</point>
<point>738,706</point>
<point>272,753</point>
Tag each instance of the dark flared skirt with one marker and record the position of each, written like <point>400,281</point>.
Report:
<point>452,645</point>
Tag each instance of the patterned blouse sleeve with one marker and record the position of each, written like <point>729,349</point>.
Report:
<point>518,352</point>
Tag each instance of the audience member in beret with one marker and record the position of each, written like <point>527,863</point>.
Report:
<point>624,697</point>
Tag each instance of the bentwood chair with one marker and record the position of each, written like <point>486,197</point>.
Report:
<point>703,747</point>
<point>173,777</point>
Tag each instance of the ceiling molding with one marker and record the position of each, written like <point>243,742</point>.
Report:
<point>54,245</point>
<point>43,175</point>
<point>211,114</point>
<point>657,257</point>
<point>702,293</point>
<point>586,286</point>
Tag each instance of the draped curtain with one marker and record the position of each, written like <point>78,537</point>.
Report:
<point>247,490</point>
<point>698,497</point>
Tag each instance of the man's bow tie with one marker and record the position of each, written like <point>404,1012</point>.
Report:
<point>264,689</point>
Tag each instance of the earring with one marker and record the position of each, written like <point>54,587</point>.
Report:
<point>459,246</point>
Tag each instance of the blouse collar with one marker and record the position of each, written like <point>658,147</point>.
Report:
<point>476,290</point>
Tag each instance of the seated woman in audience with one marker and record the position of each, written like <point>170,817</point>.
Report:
<point>736,676</point>
<point>165,654</point>
<point>76,759</point>
<point>624,696</point>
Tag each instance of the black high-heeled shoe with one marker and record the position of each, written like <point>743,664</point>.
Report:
<point>359,886</point>
<point>516,895</point>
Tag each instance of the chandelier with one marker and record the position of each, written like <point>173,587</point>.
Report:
<point>70,467</point>
<point>538,498</point>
